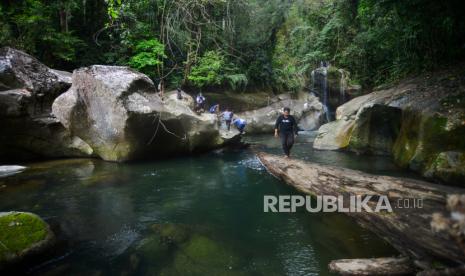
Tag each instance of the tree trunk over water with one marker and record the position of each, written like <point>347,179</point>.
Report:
<point>407,229</point>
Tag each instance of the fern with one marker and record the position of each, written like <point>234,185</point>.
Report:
<point>237,81</point>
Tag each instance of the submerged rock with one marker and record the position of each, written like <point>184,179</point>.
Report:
<point>27,90</point>
<point>179,249</point>
<point>22,235</point>
<point>308,112</point>
<point>117,111</point>
<point>419,122</point>
<point>201,255</point>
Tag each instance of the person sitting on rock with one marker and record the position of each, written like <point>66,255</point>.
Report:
<point>200,103</point>
<point>239,124</point>
<point>286,126</point>
<point>179,93</point>
<point>227,117</point>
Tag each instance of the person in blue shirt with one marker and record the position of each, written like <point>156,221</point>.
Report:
<point>286,129</point>
<point>227,117</point>
<point>215,109</point>
<point>240,124</point>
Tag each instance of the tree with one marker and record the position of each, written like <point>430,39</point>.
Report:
<point>148,55</point>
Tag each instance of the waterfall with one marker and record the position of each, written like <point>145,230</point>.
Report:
<point>325,92</point>
<point>342,88</point>
<point>320,87</point>
<point>313,83</point>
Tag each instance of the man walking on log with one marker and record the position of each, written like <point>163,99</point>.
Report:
<point>286,127</point>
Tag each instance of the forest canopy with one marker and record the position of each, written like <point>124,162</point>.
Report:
<point>240,44</point>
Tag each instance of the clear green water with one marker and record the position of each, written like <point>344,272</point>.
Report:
<point>208,211</point>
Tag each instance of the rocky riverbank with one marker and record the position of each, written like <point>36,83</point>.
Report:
<point>420,122</point>
<point>109,112</point>
<point>114,113</point>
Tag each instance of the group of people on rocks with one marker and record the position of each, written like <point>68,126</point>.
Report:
<point>227,116</point>
<point>285,127</point>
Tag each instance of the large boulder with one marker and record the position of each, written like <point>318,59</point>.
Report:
<point>306,109</point>
<point>27,91</point>
<point>420,123</point>
<point>117,111</point>
<point>22,235</point>
<point>19,70</point>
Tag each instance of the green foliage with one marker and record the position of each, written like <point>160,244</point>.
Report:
<point>33,26</point>
<point>208,70</point>
<point>148,54</point>
<point>237,81</point>
<point>378,41</point>
<point>240,43</point>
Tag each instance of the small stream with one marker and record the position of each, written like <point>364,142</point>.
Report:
<point>109,217</point>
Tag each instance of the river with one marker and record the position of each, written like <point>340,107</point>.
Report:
<point>109,217</point>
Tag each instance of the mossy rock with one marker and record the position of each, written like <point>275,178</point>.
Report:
<point>153,248</point>
<point>448,167</point>
<point>21,235</point>
<point>375,130</point>
<point>172,233</point>
<point>424,143</point>
<point>204,256</point>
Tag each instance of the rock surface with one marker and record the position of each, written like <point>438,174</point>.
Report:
<point>27,90</point>
<point>117,111</point>
<point>307,110</point>
<point>407,229</point>
<point>22,235</point>
<point>419,122</point>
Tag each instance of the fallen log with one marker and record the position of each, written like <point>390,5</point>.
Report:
<point>375,266</point>
<point>407,229</point>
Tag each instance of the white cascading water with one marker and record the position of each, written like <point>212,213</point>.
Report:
<point>342,90</point>
<point>322,87</point>
<point>325,93</point>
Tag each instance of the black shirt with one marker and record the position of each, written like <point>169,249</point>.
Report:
<point>286,125</point>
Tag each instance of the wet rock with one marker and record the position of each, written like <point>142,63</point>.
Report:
<point>178,249</point>
<point>419,123</point>
<point>334,135</point>
<point>172,233</point>
<point>117,111</point>
<point>448,166</point>
<point>22,235</point>
<point>202,255</point>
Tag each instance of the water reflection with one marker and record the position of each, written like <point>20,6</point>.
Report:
<point>107,213</point>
